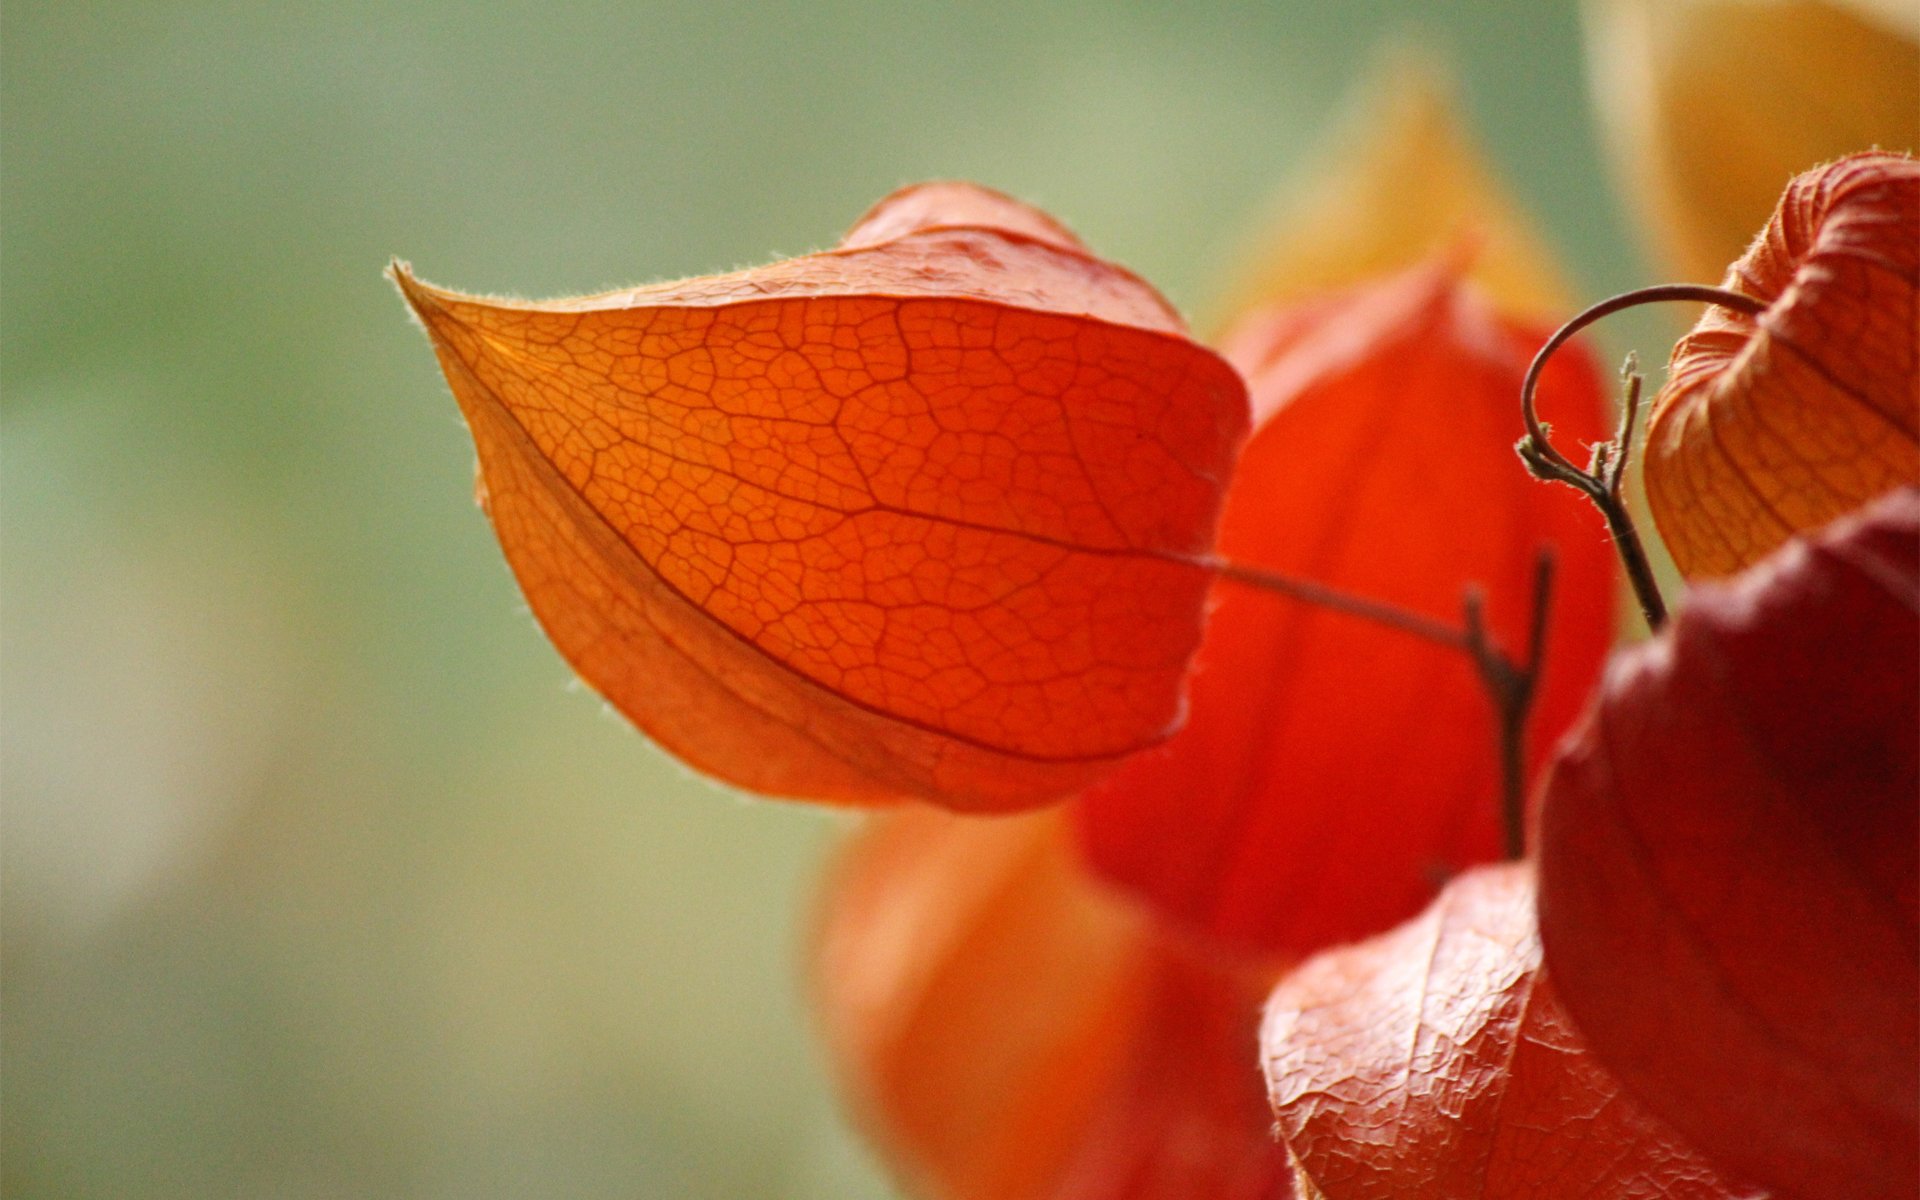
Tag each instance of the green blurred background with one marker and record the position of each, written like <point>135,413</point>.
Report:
<point>320,878</point>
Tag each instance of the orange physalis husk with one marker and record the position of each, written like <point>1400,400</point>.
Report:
<point>917,516</point>
<point>1779,422</point>
<point>1005,1029</point>
<point>1437,1061</point>
<point>1730,864</point>
<point>1333,770</point>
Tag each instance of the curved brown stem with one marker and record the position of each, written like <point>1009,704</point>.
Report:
<point>1600,481</point>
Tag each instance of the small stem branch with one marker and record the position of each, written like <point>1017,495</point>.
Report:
<point>1623,436</point>
<point>1321,596</point>
<point>1509,685</point>
<point>1601,481</point>
<point>1511,688</point>
<point>1633,558</point>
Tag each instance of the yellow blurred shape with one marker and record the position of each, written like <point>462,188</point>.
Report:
<point>1712,105</point>
<point>1399,181</point>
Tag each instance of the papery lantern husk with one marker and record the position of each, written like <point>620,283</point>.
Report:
<point>1781,421</point>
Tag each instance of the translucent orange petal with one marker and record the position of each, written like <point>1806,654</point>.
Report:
<point>914,517</point>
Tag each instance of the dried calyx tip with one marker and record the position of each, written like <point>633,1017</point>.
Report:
<point>419,296</point>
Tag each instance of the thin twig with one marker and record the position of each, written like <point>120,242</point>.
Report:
<point>1321,596</point>
<point>1601,481</point>
<point>1511,688</point>
<point>1543,573</point>
<point>1509,685</point>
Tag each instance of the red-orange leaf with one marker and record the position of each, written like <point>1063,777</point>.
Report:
<point>1006,1030</point>
<point>910,517</point>
<point>1730,864</point>
<point>1332,770</point>
<point>1436,1061</point>
<point>1780,422</point>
